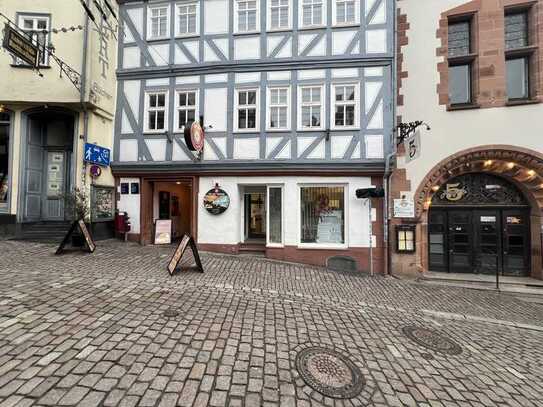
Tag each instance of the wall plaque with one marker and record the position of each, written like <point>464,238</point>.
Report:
<point>216,201</point>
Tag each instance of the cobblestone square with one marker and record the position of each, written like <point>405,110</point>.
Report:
<point>114,329</point>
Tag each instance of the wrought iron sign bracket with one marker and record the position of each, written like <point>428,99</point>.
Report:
<point>404,130</point>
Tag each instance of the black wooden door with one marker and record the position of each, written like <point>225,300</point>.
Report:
<point>488,251</point>
<point>516,243</point>
<point>460,241</point>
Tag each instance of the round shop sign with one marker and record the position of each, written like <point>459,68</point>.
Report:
<point>194,136</point>
<point>216,201</point>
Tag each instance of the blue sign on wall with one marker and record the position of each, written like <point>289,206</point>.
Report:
<point>96,154</point>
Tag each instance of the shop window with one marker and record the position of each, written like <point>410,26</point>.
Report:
<point>158,22</point>
<point>4,158</point>
<point>156,111</point>
<point>37,26</point>
<point>461,62</point>
<point>405,238</point>
<point>322,215</point>
<point>518,55</point>
<point>275,215</point>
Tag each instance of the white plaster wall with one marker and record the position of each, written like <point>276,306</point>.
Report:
<point>452,131</point>
<point>131,205</point>
<point>227,228</point>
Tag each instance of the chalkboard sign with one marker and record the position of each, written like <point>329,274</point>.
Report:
<point>180,250</point>
<point>89,244</point>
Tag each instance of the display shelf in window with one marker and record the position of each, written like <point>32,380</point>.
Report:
<point>102,203</point>
<point>405,238</point>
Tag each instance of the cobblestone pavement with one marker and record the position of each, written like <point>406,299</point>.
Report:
<point>90,330</point>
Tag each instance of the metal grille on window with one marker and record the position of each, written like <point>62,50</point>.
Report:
<point>322,215</point>
<point>516,30</point>
<point>459,39</point>
<point>312,12</point>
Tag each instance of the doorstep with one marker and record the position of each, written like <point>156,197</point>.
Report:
<point>521,286</point>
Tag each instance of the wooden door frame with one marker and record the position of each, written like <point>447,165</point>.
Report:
<point>147,201</point>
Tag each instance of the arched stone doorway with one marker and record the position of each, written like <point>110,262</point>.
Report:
<point>520,169</point>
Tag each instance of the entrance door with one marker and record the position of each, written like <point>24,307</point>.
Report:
<point>515,242</point>
<point>460,241</point>
<point>255,216</point>
<point>488,241</point>
<point>55,185</point>
<point>34,171</point>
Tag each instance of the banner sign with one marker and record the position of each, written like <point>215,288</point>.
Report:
<point>412,147</point>
<point>97,155</point>
<point>20,46</point>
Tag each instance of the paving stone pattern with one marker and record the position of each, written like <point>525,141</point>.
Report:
<point>90,330</point>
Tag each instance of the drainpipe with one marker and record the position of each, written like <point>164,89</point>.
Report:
<point>82,94</point>
<point>388,170</point>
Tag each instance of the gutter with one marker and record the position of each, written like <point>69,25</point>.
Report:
<point>388,170</point>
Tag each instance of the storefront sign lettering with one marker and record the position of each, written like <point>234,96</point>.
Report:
<point>20,46</point>
<point>404,208</point>
<point>454,192</point>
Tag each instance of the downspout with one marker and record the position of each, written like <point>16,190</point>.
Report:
<point>82,96</point>
<point>390,156</point>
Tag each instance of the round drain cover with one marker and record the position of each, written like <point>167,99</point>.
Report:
<point>329,372</point>
<point>431,339</point>
<point>170,313</point>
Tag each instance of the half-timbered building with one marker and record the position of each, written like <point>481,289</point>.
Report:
<point>295,97</point>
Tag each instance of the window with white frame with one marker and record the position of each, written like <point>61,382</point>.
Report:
<point>247,109</point>
<point>345,106</point>
<point>247,15</point>
<point>187,18</point>
<point>322,217</point>
<point>279,16</point>
<point>155,111</point>
<point>345,11</point>
<point>37,26</point>
<point>278,108</point>
<point>158,24</point>
<point>313,12</point>
<point>311,107</point>
<point>187,101</point>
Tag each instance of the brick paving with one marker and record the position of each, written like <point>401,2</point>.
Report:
<point>90,330</point>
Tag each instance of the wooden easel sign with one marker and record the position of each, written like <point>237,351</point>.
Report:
<point>89,244</point>
<point>180,250</point>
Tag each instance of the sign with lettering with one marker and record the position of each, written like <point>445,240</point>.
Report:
<point>97,155</point>
<point>412,147</point>
<point>88,242</point>
<point>21,46</point>
<point>186,241</point>
<point>404,208</point>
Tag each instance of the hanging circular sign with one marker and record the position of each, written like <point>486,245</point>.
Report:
<point>95,171</point>
<point>216,201</point>
<point>194,136</point>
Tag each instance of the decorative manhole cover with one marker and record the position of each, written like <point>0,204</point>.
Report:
<point>329,372</point>
<point>431,339</point>
<point>170,313</point>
